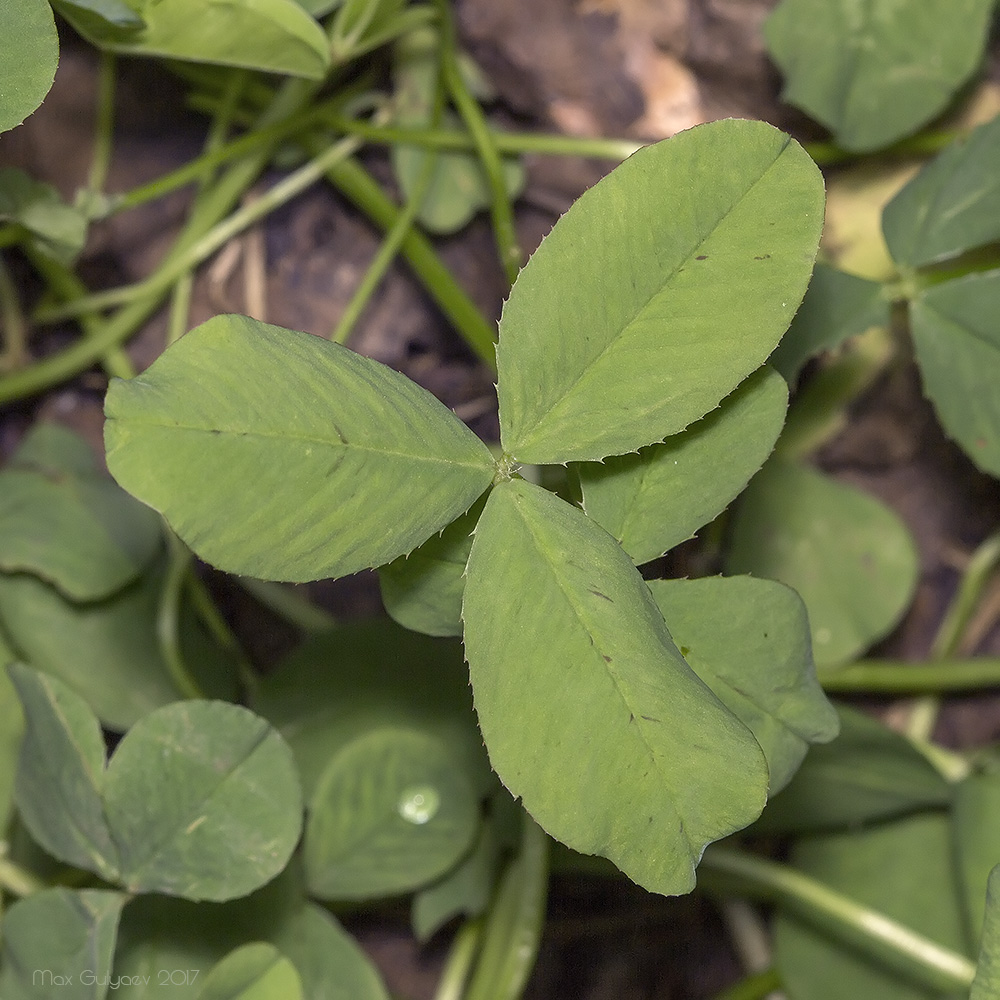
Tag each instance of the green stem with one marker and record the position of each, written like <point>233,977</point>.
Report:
<point>217,626</point>
<point>14,330</point>
<point>351,179</point>
<point>104,132</point>
<point>902,677</point>
<point>513,926</point>
<point>286,601</point>
<point>460,958</point>
<point>888,942</point>
<point>753,987</point>
<point>508,143</point>
<point>18,881</point>
<point>168,632</point>
<point>925,144</point>
<point>501,210</point>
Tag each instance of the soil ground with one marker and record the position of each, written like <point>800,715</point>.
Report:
<point>637,68</point>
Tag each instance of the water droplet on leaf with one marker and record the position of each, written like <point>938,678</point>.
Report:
<point>419,805</point>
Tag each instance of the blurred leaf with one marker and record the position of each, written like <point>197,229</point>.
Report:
<point>986,985</point>
<point>11,733</point>
<point>365,675</point>
<point>850,557</point>
<point>874,72</point>
<point>976,816</point>
<point>71,526</point>
<point>951,206</point>
<point>120,13</point>
<point>275,36</point>
<point>29,54</point>
<point>902,869</point>
<point>588,710</point>
<point>688,262</point>
<point>748,640</point>
<point>392,811</point>
<point>657,498</point>
<point>957,342</point>
<point>57,229</point>
<point>837,306</point>
<point>53,936</point>
<point>256,971</point>
<point>869,772</point>
<point>305,460</point>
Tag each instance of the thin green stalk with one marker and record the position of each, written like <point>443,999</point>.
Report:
<point>513,925</point>
<point>13,326</point>
<point>828,154</point>
<point>501,209</point>
<point>903,677</point>
<point>354,182</point>
<point>180,308</point>
<point>287,602</point>
<point>179,563</point>
<point>463,952</point>
<point>753,987</point>
<point>217,626</point>
<point>104,131</point>
<point>884,940</point>
<point>18,881</point>
<point>508,143</point>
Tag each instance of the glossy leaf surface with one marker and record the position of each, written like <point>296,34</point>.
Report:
<point>688,262</point>
<point>391,812</point>
<point>29,53</point>
<point>657,498</point>
<point>256,971</point>
<point>952,205</point>
<point>284,456</point>
<point>866,70</point>
<point>748,640</point>
<point>640,762</point>
<point>67,523</point>
<point>276,36</point>
<point>868,773</point>
<point>60,943</point>
<point>849,556</point>
<point>876,867</point>
<point>957,341</point>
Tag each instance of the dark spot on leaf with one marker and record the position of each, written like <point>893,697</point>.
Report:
<point>597,593</point>
<point>340,434</point>
<point>685,650</point>
<point>631,717</point>
<point>702,256</point>
<point>649,718</point>
<point>606,658</point>
<point>763,256</point>
<point>215,430</point>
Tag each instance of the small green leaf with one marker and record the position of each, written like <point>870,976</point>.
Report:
<point>688,262</point>
<point>657,498</point>
<point>120,13</point>
<point>902,869</point>
<point>57,229</point>
<point>390,813</point>
<point>588,710</point>
<point>305,460</point>
<point>951,206</point>
<point>204,801</point>
<point>275,36</point>
<point>76,529</point>
<point>29,54</point>
<point>11,734</point>
<point>423,590</point>
<point>976,815</point>
<point>957,342</point>
<point>256,971</point>
<point>869,773</point>
<point>60,774</point>
<point>986,985</point>
<point>876,71</point>
<point>850,557</point>
<point>60,943</point>
<point>748,640</point>
<point>336,687</point>
<point>837,306</point>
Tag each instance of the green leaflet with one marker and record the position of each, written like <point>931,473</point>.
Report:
<point>199,799</point>
<point>657,498</point>
<point>986,985</point>
<point>869,773</point>
<point>688,262</point>
<point>957,342</point>
<point>29,53</point>
<point>875,71</point>
<point>589,712</point>
<point>66,522</point>
<point>256,971</point>
<point>850,557</point>
<point>11,734</point>
<point>837,306</point>
<point>748,640</point>
<point>305,460</point>
<point>901,869</point>
<point>952,205</point>
<point>976,820</point>
<point>391,812</point>
<point>57,229</point>
<point>276,36</point>
<point>60,943</point>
